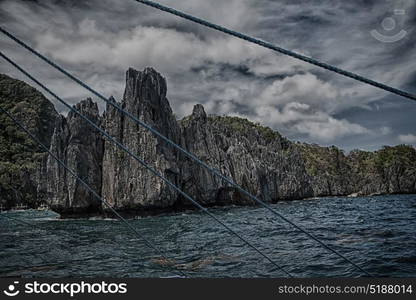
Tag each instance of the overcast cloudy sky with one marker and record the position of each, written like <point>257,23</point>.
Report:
<point>98,40</point>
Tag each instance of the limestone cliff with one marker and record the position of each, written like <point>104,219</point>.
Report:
<point>387,171</point>
<point>257,158</point>
<point>126,183</point>
<point>80,147</point>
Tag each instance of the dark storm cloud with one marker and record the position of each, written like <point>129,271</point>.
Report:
<point>99,40</point>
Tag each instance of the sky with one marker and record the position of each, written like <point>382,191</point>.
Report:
<point>98,40</point>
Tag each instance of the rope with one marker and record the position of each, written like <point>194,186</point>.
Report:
<point>143,163</point>
<point>168,141</point>
<point>279,49</point>
<point>147,242</point>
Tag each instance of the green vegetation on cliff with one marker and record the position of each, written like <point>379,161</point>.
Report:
<point>388,170</point>
<point>20,157</point>
<point>243,126</point>
<point>320,159</point>
<point>387,157</point>
<point>402,154</point>
<point>328,159</point>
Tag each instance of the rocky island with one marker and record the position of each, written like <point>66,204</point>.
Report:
<point>258,158</point>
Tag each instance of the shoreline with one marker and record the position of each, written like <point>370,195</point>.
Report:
<point>153,212</point>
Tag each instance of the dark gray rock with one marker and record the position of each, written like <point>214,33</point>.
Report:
<point>80,147</point>
<point>328,170</point>
<point>390,170</point>
<point>387,171</point>
<point>256,158</point>
<point>126,183</point>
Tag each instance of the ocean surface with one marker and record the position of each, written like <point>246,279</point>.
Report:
<point>378,233</point>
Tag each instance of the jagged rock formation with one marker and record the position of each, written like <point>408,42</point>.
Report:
<point>390,170</point>
<point>80,147</point>
<point>328,170</point>
<point>127,184</point>
<point>387,171</point>
<point>257,158</point>
<point>22,161</point>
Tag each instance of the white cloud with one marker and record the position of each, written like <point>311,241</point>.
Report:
<point>168,50</point>
<point>407,138</point>
<point>385,130</point>
<point>319,126</point>
<point>301,88</point>
<point>330,129</point>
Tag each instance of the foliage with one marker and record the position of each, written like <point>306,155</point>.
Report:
<point>401,154</point>
<point>19,154</point>
<point>329,160</point>
<point>319,159</point>
<point>244,126</point>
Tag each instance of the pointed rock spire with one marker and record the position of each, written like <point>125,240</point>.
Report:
<point>198,113</point>
<point>147,84</point>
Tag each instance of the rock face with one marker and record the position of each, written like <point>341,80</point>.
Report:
<point>258,159</point>
<point>387,171</point>
<point>328,170</point>
<point>126,183</point>
<point>255,157</point>
<point>390,170</point>
<point>79,146</point>
<point>22,162</point>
